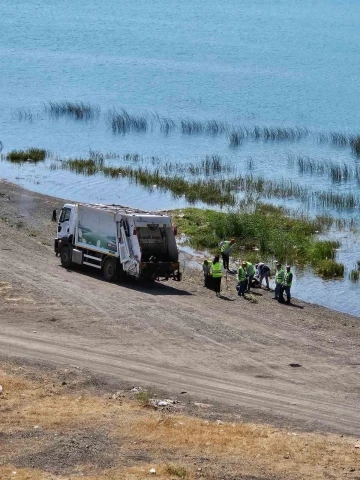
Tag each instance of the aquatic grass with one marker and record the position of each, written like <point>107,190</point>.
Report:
<point>341,201</point>
<point>330,269</point>
<point>355,144</point>
<point>354,275</point>
<point>336,172</point>
<point>86,167</point>
<point>74,110</point>
<point>31,155</point>
<point>122,122</point>
<point>323,250</point>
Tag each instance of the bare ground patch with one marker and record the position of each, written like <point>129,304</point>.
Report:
<point>57,423</point>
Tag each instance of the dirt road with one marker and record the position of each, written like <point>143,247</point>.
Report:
<point>175,337</point>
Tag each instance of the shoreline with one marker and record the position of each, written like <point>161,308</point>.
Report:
<point>8,186</point>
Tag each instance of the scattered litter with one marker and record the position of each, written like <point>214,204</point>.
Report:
<point>293,403</point>
<point>292,433</point>
<point>34,331</point>
<point>117,395</point>
<point>219,422</point>
<point>137,389</point>
<point>1,389</point>
<point>36,426</point>
<point>357,445</point>
<point>203,405</point>
<point>153,471</point>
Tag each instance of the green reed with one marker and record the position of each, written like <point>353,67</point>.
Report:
<point>31,155</point>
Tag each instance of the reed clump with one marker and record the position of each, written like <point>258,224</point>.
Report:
<point>354,275</point>
<point>86,167</point>
<point>74,110</point>
<point>122,122</point>
<point>31,155</point>
<point>330,269</point>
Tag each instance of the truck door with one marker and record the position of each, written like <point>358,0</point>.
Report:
<point>64,222</point>
<point>124,252</point>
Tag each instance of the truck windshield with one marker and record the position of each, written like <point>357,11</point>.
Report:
<point>65,214</point>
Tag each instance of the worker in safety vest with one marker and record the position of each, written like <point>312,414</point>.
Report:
<point>241,278</point>
<point>279,280</point>
<point>226,247</point>
<point>286,286</point>
<point>250,272</point>
<point>216,273</point>
<point>206,266</point>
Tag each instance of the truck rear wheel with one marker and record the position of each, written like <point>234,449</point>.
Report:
<point>109,270</point>
<point>65,256</point>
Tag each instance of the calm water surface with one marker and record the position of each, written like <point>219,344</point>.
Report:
<point>286,63</point>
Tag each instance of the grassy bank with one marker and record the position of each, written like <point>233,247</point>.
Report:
<point>262,233</point>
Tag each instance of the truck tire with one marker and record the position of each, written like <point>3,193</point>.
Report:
<point>110,271</point>
<point>65,256</point>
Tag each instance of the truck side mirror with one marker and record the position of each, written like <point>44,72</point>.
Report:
<point>54,215</point>
<point>175,230</point>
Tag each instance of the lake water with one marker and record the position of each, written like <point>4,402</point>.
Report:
<point>282,64</point>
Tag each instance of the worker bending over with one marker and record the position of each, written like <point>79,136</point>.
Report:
<point>263,272</point>
<point>226,247</point>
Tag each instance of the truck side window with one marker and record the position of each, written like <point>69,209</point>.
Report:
<point>65,215</point>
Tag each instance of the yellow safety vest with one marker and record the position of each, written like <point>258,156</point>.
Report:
<point>288,279</point>
<point>250,268</point>
<point>216,270</point>
<point>241,274</point>
<point>225,245</point>
<point>279,276</point>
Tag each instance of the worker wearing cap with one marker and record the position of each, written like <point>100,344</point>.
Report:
<point>279,280</point>
<point>241,278</point>
<point>286,286</point>
<point>226,247</point>
<point>250,272</point>
<point>216,273</point>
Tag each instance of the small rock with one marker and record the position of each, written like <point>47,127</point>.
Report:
<point>36,426</point>
<point>219,422</point>
<point>1,389</point>
<point>357,445</point>
<point>153,471</point>
<point>63,383</point>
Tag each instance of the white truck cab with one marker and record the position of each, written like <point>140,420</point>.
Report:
<point>117,240</point>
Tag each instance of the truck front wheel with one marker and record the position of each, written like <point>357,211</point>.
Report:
<point>110,270</point>
<point>65,257</point>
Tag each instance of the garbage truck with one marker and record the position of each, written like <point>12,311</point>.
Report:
<point>118,240</point>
